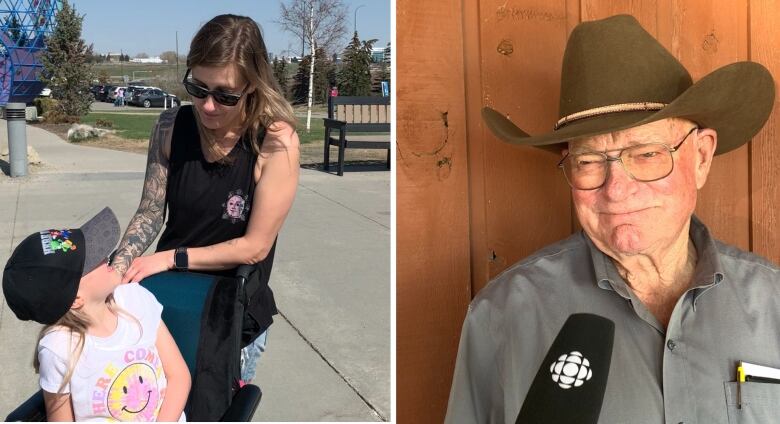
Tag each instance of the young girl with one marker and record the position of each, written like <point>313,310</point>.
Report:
<point>104,353</point>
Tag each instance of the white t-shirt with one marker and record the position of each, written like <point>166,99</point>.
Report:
<point>119,377</point>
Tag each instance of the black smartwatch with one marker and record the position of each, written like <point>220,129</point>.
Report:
<point>180,259</point>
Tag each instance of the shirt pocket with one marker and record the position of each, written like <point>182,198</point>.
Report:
<point>760,402</point>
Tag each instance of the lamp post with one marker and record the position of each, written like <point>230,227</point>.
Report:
<point>355,20</point>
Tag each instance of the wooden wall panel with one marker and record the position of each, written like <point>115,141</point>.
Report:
<point>765,149</point>
<point>704,42</point>
<point>527,202</point>
<point>432,235</point>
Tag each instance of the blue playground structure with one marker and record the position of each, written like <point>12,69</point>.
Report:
<point>24,25</point>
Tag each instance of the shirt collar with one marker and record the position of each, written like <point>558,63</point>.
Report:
<point>708,273</point>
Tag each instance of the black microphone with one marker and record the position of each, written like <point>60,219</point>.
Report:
<point>569,386</point>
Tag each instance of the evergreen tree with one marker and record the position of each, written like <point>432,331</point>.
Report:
<point>65,67</point>
<point>280,73</point>
<point>322,70</point>
<point>300,88</point>
<point>15,32</point>
<point>354,79</point>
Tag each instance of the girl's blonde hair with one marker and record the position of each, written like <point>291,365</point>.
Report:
<point>236,40</point>
<point>76,323</point>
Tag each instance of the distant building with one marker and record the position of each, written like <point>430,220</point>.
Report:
<point>377,54</point>
<point>114,57</point>
<point>155,59</point>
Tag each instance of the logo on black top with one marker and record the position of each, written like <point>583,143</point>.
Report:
<point>236,207</point>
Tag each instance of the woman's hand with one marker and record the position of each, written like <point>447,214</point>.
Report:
<point>144,266</point>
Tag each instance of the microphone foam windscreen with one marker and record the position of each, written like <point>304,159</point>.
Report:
<point>569,386</point>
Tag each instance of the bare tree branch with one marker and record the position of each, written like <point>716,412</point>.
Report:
<point>330,19</point>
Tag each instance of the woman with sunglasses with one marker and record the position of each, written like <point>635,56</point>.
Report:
<point>226,169</point>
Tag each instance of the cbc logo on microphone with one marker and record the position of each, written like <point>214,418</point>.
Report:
<point>571,370</point>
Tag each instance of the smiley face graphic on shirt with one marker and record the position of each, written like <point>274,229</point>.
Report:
<point>134,395</point>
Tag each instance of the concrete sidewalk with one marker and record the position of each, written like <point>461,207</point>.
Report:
<point>328,355</point>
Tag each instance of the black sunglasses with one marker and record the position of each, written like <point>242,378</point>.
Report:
<point>221,97</point>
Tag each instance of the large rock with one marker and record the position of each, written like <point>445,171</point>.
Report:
<point>33,158</point>
<point>81,132</point>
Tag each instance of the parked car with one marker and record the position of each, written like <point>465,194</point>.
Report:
<point>111,97</point>
<point>154,97</point>
<point>97,91</point>
<point>107,90</point>
<point>132,89</point>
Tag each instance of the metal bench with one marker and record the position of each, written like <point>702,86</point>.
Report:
<point>357,119</point>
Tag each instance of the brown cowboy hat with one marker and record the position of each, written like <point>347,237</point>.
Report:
<point>616,76</point>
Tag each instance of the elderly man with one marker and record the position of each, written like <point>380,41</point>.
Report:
<point>637,139</point>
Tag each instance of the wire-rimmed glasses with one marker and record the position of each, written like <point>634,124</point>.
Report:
<point>643,162</point>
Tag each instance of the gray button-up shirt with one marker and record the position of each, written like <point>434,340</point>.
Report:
<point>686,373</point>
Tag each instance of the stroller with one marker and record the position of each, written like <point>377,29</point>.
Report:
<point>212,349</point>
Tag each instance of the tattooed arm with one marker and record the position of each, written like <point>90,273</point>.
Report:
<point>148,219</point>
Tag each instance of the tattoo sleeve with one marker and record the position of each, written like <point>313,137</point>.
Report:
<point>148,219</point>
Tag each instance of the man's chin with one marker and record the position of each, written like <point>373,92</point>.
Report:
<point>627,240</point>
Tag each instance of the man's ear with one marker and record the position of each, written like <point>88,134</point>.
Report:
<point>78,302</point>
<point>706,143</point>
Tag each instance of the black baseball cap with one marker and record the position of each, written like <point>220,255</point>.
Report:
<point>41,279</point>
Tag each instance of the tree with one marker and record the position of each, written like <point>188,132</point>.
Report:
<point>355,75</point>
<point>65,68</point>
<point>168,56</point>
<point>329,22</point>
<point>320,23</point>
<point>15,31</point>
<point>280,73</point>
<point>142,55</point>
<point>103,76</point>
<point>322,81</point>
<point>96,58</point>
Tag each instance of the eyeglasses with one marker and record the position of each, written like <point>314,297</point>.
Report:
<point>643,162</point>
<point>221,97</point>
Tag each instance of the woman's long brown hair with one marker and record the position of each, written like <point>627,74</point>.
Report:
<point>236,40</point>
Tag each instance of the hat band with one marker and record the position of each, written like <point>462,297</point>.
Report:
<point>603,110</point>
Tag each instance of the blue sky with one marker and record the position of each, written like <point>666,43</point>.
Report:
<point>150,26</point>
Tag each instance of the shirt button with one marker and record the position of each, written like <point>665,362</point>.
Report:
<point>671,345</point>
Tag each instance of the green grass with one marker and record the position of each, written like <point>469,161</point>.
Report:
<point>317,130</point>
<point>126,126</point>
<point>140,126</point>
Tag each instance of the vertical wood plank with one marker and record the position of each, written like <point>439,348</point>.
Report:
<point>374,113</point>
<point>432,232</point>
<point>765,149</point>
<point>527,201</point>
<point>704,42</point>
<point>645,11</point>
<point>476,144</point>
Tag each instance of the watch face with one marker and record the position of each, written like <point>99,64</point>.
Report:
<point>180,259</point>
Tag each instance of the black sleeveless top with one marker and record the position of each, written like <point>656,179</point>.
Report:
<point>209,203</point>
